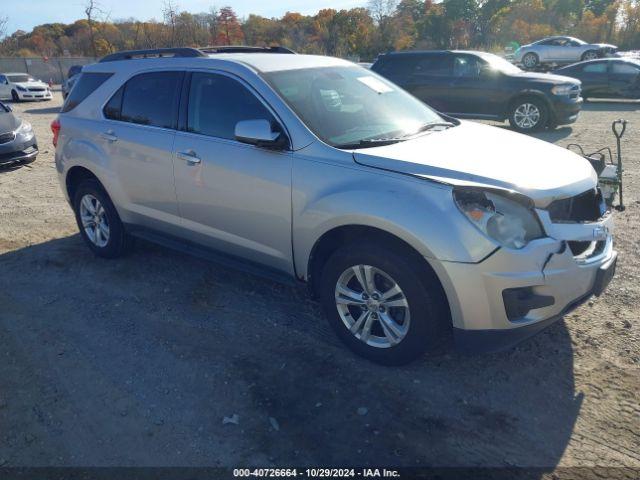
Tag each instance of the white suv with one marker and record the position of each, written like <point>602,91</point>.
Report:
<point>405,223</point>
<point>22,86</point>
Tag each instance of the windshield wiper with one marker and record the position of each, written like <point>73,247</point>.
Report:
<point>431,126</point>
<point>370,142</point>
<point>378,142</point>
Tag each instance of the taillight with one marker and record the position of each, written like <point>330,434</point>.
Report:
<point>55,128</point>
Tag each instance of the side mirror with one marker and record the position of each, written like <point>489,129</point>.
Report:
<point>259,133</point>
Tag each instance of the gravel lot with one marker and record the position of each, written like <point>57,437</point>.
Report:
<point>136,362</point>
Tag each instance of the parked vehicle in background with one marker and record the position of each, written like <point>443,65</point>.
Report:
<point>559,51</point>
<point>606,78</point>
<point>404,223</point>
<point>17,141</point>
<point>72,76</point>
<point>22,86</point>
<point>469,84</point>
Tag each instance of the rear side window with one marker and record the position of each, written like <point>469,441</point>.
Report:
<point>595,68</point>
<point>397,65</point>
<point>217,103</point>
<point>148,99</point>
<point>114,105</point>
<point>434,66</point>
<point>85,86</point>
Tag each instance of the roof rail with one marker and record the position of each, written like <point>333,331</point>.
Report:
<point>153,53</point>
<point>244,49</point>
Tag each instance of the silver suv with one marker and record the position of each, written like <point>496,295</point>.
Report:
<point>405,223</point>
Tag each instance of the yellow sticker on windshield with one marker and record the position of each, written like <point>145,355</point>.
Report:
<point>376,85</point>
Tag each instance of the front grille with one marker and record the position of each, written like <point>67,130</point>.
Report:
<point>7,137</point>
<point>575,92</point>
<point>588,206</point>
<point>36,89</point>
<point>586,249</point>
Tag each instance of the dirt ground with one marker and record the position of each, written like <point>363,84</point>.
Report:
<point>137,362</point>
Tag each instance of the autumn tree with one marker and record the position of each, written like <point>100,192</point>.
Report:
<point>229,28</point>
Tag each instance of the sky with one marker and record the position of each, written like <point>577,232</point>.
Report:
<point>24,15</point>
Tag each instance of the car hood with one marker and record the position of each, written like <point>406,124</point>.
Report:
<point>481,155</point>
<point>603,45</point>
<point>30,84</point>
<point>546,77</point>
<point>8,122</point>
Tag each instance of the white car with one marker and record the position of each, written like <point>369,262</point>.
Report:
<point>22,86</point>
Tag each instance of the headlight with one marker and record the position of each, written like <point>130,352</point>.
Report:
<point>25,127</point>
<point>22,89</point>
<point>562,89</point>
<point>506,220</point>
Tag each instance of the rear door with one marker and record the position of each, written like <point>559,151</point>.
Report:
<point>138,137</point>
<point>232,196</point>
<point>471,92</point>
<point>431,78</point>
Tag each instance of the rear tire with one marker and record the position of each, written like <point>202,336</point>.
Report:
<point>402,325</point>
<point>528,114</point>
<point>98,221</point>
<point>590,55</point>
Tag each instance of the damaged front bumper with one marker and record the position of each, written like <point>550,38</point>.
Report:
<point>513,294</point>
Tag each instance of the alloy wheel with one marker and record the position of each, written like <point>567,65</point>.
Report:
<point>372,306</point>
<point>527,116</point>
<point>94,220</point>
<point>530,60</point>
<point>591,55</point>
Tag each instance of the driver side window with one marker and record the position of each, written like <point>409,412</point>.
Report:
<point>217,103</point>
<point>466,67</point>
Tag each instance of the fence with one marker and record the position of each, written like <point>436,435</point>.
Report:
<point>50,70</point>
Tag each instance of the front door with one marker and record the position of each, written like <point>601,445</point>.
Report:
<point>624,79</point>
<point>232,196</point>
<point>595,79</point>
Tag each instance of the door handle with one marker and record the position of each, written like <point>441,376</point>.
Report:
<point>109,136</point>
<point>190,157</point>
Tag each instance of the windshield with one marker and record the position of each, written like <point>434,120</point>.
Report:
<point>350,105</point>
<point>498,63</point>
<point>20,78</point>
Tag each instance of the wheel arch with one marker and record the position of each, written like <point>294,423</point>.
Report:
<point>342,235</point>
<point>521,95</point>
<point>75,176</point>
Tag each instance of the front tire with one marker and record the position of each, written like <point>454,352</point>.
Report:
<point>381,306</point>
<point>14,96</point>
<point>530,61</point>
<point>99,223</point>
<point>528,115</point>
